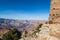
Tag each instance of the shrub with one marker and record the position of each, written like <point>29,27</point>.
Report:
<point>37,29</point>
<point>12,34</point>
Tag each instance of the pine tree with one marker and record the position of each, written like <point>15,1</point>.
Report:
<point>13,34</point>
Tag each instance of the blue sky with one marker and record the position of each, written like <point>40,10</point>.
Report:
<point>25,9</point>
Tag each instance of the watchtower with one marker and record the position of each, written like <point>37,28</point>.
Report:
<point>54,15</point>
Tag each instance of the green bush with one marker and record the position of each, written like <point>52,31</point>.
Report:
<point>12,34</point>
<point>37,29</point>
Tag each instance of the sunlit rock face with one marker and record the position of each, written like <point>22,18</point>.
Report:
<point>47,32</point>
<point>55,30</point>
<point>50,32</point>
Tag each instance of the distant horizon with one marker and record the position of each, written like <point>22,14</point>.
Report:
<point>23,19</point>
<point>25,9</point>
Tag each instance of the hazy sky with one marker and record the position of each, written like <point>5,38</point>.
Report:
<point>25,9</point>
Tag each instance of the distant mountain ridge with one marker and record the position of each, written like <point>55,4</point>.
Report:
<point>18,24</point>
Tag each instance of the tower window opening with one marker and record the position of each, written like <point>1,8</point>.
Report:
<point>53,8</point>
<point>52,18</point>
<point>53,14</point>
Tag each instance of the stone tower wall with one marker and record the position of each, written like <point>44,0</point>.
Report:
<point>54,15</point>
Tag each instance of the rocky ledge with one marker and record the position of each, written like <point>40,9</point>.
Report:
<point>47,32</point>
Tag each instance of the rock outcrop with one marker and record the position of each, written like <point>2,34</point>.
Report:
<point>47,32</point>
